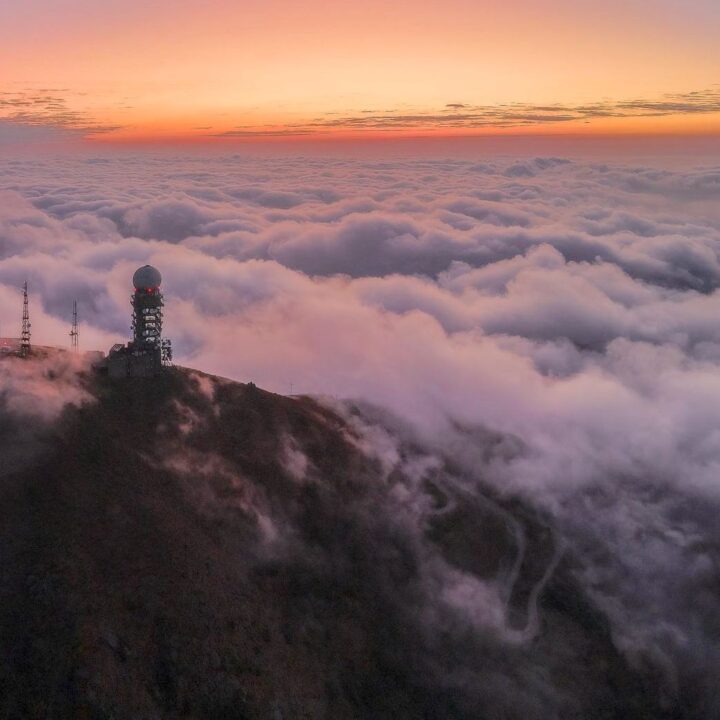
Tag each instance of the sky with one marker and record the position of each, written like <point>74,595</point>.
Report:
<point>220,71</point>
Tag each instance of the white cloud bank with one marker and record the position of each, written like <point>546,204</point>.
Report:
<point>572,305</point>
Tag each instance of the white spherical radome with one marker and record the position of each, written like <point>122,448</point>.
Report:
<point>147,277</point>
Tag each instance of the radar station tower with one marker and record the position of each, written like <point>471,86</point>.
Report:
<point>147,353</point>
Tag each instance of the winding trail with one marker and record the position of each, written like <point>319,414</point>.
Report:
<point>532,626</point>
<point>513,575</point>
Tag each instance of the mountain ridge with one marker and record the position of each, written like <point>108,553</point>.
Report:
<point>191,547</point>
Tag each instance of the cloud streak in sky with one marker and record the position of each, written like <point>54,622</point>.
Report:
<point>49,109</point>
<point>26,112</point>
<point>465,116</point>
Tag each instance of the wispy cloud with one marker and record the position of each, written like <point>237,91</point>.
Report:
<point>465,116</point>
<point>47,108</point>
<point>290,130</point>
<point>27,112</point>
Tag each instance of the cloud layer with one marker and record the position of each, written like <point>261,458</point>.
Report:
<point>572,306</point>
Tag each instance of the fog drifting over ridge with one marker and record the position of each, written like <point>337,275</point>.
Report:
<point>571,305</point>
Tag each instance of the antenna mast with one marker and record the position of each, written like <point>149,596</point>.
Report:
<point>25,335</point>
<point>74,331</point>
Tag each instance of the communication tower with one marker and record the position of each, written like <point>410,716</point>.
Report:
<point>74,331</point>
<point>25,334</point>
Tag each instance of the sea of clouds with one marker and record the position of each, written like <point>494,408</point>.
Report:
<point>572,305</point>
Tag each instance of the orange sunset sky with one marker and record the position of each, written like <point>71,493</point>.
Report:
<point>222,70</point>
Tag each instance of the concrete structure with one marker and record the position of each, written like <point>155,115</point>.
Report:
<point>125,361</point>
<point>9,346</point>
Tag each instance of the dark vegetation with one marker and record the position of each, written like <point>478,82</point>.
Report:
<point>158,559</point>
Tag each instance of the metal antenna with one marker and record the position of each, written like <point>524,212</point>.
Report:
<point>74,331</point>
<point>25,335</point>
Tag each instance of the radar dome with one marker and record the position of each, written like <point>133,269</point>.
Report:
<point>147,277</point>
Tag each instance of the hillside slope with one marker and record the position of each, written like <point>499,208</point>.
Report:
<point>195,548</point>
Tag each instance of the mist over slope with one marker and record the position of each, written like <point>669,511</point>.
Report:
<point>193,547</point>
<point>549,326</point>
